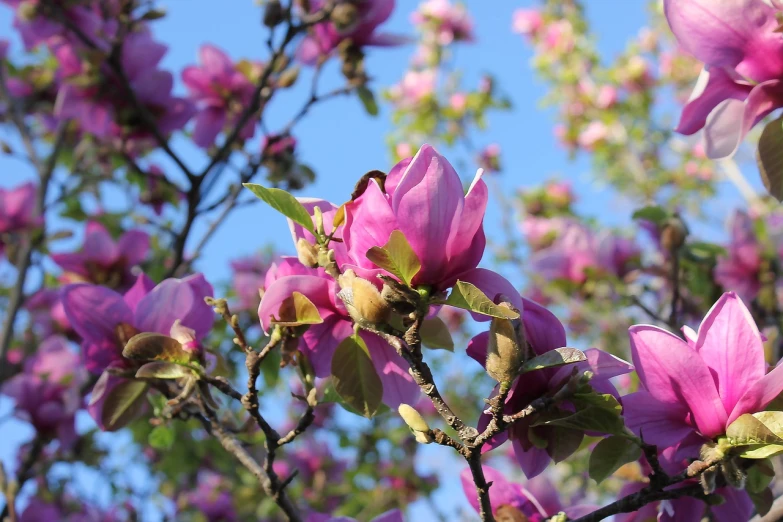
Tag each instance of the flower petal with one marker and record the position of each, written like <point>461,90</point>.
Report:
<point>761,393</point>
<point>315,288</point>
<point>398,385</point>
<point>659,423</point>
<point>712,88</point>
<point>95,311</point>
<point>533,461</point>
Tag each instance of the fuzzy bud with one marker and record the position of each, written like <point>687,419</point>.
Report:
<point>273,13</point>
<point>345,17</point>
<point>363,300</point>
<point>707,480</point>
<point>307,253</point>
<point>505,352</point>
<point>288,77</point>
<point>673,234</point>
<point>507,513</point>
<point>416,423</point>
<point>735,476</point>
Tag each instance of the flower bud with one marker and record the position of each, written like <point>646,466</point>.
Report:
<point>307,253</point>
<point>707,480</point>
<point>288,77</point>
<point>273,13</point>
<point>673,234</point>
<point>416,423</point>
<point>735,476</point>
<point>345,16</point>
<point>508,513</point>
<point>505,352</point>
<point>363,300</point>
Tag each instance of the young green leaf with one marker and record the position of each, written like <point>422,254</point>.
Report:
<point>748,430</point>
<point>122,404</point>
<point>151,346</point>
<point>284,203</point>
<point>161,438</point>
<point>654,214</point>
<point>563,442</point>
<point>368,100</point>
<point>297,310</point>
<point>591,418</point>
<point>162,370</point>
<point>611,454</point>
<point>468,297</point>
<point>761,451</point>
<point>769,157</point>
<point>354,377</point>
<point>396,257</point>
<point>435,334</point>
<point>553,359</point>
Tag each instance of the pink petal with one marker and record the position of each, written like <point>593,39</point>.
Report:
<point>730,343</point>
<point>398,385</point>
<point>673,372</point>
<point>466,244</point>
<point>533,461</point>
<point>659,423</point>
<point>683,509</point>
<point>477,348</point>
<point>395,175</point>
<point>502,492</point>
<point>141,287</point>
<point>315,288</point>
<point>133,246</point>
<point>320,341</point>
<point>209,123</point>
<point>197,81</point>
<point>395,515</point>
<point>95,311</point>
<point>99,246</point>
<point>761,393</point>
<point>369,221</point>
<point>215,61</point>
<point>738,506</point>
<point>713,87</point>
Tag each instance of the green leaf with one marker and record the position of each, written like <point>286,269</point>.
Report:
<point>760,476</point>
<point>769,157</point>
<point>591,418</point>
<point>284,203</point>
<point>368,100</point>
<point>150,346</point>
<point>553,359</point>
<point>748,430</point>
<point>652,213</point>
<point>396,257</point>
<point>355,378</point>
<point>772,420</point>
<point>611,454</point>
<point>162,370</point>
<point>331,395</point>
<point>604,401</point>
<point>468,297</point>
<point>297,310</point>
<point>762,501</point>
<point>701,249</point>
<point>761,451</point>
<point>563,442</point>
<point>161,438</point>
<point>435,334</point>
<point>122,403</point>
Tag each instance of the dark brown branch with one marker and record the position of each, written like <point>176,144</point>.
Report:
<point>22,474</point>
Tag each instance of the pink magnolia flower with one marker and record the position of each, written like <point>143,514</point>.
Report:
<point>449,22</point>
<point>47,313</point>
<point>527,21</point>
<point>595,133</point>
<point>541,232</point>
<point>248,278</point>
<point>691,391</point>
<point>537,499</point>
<point>324,38</point>
<point>544,333</point>
<point>424,199</point>
<point>105,320</point>
<point>102,108</point>
<point>159,190</point>
<point>17,212</point>
<point>738,271</point>
<point>606,96</point>
<point>102,260</point>
<point>35,28</point>
<point>221,93</point>
<point>742,80</point>
<point>48,391</point>
<point>414,87</point>
<point>213,498</point>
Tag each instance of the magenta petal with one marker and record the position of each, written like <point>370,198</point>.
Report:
<point>731,121</point>
<point>712,88</point>
<point>395,175</point>
<point>215,61</point>
<point>603,365</point>
<point>171,300</point>
<point>369,222</point>
<point>533,461</point>
<point>730,343</point>
<point>429,200</point>
<point>133,246</point>
<point>477,348</point>
<point>395,515</point>
<point>398,385</point>
<point>95,311</point>
<point>738,506</point>
<point>674,372</point>
<point>308,51</point>
<point>761,393</point>
<point>197,81</point>
<point>320,341</point>
<point>209,123</point>
<point>140,288</point>
<point>683,509</point>
<point>501,493</point>
<point>315,288</point>
<point>99,246</point>
<point>657,422</point>
<point>200,316</point>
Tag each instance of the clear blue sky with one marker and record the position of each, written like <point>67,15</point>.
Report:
<point>341,142</point>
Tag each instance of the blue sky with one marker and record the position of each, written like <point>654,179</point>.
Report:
<point>341,143</point>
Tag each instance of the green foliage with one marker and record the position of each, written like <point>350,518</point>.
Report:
<point>769,157</point>
<point>284,203</point>
<point>435,334</point>
<point>553,359</point>
<point>354,377</point>
<point>468,297</point>
<point>396,257</point>
<point>610,454</point>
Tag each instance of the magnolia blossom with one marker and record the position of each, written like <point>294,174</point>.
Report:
<point>738,270</point>
<point>423,198</point>
<point>48,391</point>
<point>414,87</point>
<point>692,390</point>
<point>102,108</point>
<point>543,332</point>
<point>742,81</point>
<point>102,260</point>
<point>325,37</point>
<point>489,158</point>
<point>17,212</point>
<point>537,500</point>
<point>394,515</point>
<point>448,22</point>
<point>320,340</point>
<point>527,21</point>
<point>212,497</point>
<point>105,320</point>
<point>221,92</point>
<point>248,279</point>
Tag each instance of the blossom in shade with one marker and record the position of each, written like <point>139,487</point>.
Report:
<point>738,270</point>
<point>17,212</point>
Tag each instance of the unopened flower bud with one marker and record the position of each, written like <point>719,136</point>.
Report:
<point>505,352</point>
<point>416,423</point>
<point>363,300</point>
<point>735,476</point>
<point>307,253</point>
<point>508,513</point>
<point>345,16</point>
<point>273,13</point>
<point>673,234</point>
<point>288,77</point>
<point>707,480</point>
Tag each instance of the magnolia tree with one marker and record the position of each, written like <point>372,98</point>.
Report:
<point>634,376</point>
